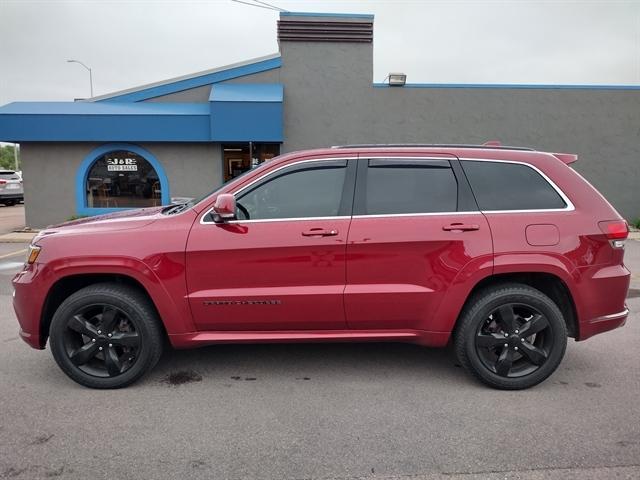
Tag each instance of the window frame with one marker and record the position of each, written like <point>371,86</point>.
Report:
<point>568,203</point>
<point>346,200</point>
<point>82,174</point>
<point>465,201</point>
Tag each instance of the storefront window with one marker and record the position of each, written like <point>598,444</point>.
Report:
<point>241,157</point>
<point>122,179</point>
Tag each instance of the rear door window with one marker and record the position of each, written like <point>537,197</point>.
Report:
<point>510,186</point>
<point>405,186</point>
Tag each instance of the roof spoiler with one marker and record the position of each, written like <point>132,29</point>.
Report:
<point>567,158</point>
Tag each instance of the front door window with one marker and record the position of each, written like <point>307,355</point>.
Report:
<point>307,192</point>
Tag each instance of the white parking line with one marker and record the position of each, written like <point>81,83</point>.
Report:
<point>10,265</point>
<point>13,254</point>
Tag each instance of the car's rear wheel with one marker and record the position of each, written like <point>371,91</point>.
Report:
<point>9,203</point>
<point>511,336</point>
<point>106,336</point>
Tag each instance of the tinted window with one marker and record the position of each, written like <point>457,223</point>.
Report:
<point>418,187</point>
<point>7,175</point>
<point>510,186</point>
<point>313,192</point>
<point>122,179</point>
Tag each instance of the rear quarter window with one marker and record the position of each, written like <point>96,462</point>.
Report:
<point>510,186</point>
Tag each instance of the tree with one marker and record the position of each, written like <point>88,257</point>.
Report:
<point>7,161</point>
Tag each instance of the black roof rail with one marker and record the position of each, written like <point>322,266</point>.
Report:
<point>436,145</point>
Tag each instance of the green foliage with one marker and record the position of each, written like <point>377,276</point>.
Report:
<point>7,161</point>
<point>636,223</point>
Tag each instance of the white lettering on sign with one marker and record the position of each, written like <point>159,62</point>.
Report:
<point>122,165</point>
<point>122,168</point>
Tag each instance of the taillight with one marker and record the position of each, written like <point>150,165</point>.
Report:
<point>616,231</point>
<point>2,182</point>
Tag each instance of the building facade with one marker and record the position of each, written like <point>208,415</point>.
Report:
<point>186,136</point>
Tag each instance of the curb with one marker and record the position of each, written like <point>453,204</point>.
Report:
<point>17,237</point>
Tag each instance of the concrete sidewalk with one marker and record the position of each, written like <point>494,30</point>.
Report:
<point>18,237</point>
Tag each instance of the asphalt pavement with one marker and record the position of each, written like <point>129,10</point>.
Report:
<point>11,218</point>
<point>371,411</point>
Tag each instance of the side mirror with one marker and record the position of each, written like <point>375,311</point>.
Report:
<point>224,208</point>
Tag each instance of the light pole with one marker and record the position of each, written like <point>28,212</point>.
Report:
<point>90,74</point>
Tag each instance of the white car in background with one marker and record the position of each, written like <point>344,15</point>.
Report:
<point>10,188</point>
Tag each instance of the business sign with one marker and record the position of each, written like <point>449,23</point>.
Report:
<point>122,164</point>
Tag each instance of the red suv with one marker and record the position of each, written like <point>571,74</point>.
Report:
<point>503,251</point>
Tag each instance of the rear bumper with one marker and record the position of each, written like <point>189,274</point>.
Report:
<point>602,301</point>
<point>603,324</point>
<point>11,196</point>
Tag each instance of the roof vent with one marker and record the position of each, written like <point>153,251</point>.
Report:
<point>325,30</point>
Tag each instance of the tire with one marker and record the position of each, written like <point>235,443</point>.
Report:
<point>130,345</point>
<point>491,340</point>
<point>10,203</point>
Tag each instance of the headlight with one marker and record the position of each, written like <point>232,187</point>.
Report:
<point>32,254</point>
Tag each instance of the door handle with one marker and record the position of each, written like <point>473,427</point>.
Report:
<point>319,232</point>
<point>460,227</point>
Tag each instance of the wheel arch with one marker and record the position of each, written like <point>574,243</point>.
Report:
<point>548,283</point>
<point>69,284</point>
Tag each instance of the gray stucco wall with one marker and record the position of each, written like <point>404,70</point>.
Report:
<point>327,93</point>
<point>601,126</point>
<point>191,95</point>
<point>201,94</point>
<point>330,100</point>
<point>49,171</point>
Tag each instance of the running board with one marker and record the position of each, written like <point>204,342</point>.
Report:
<point>194,339</point>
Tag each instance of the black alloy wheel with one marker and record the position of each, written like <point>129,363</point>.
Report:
<point>511,336</point>
<point>101,340</point>
<point>514,340</point>
<point>106,335</point>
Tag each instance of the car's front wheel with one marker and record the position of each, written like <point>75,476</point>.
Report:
<point>511,336</point>
<point>106,336</point>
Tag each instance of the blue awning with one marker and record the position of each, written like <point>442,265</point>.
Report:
<point>109,122</point>
<point>241,112</point>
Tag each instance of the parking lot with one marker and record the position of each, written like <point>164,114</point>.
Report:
<point>321,411</point>
<point>11,218</point>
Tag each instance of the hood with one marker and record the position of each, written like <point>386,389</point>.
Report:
<point>110,221</point>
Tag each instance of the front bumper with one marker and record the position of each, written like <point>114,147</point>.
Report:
<point>28,300</point>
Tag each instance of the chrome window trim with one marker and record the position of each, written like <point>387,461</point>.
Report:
<point>565,198</point>
<point>269,220</point>
<point>427,214</point>
<point>569,204</point>
<point>309,160</point>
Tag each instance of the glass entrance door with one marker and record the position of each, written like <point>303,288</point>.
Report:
<point>240,157</point>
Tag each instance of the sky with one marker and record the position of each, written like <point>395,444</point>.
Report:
<point>130,43</point>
